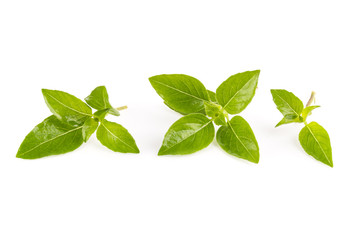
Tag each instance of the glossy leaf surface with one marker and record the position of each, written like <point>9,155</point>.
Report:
<point>99,99</point>
<point>307,111</point>
<point>182,93</point>
<point>116,137</point>
<point>51,137</point>
<point>238,139</point>
<point>67,107</point>
<point>235,93</point>
<point>89,128</point>
<point>189,134</point>
<point>289,105</point>
<point>316,142</point>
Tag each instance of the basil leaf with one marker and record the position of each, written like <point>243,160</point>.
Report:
<point>67,107</point>
<point>238,139</point>
<point>51,137</point>
<point>189,134</point>
<point>307,111</point>
<point>174,109</point>
<point>289,105</point>
<point>215,112</point>
<point>101,114</point>
<point>181,93</point>
<point>235,93</point>
<point>116,137</point>
<point>316,142</point>
<point>212,96</point>
<point>89,128</point>
<point>99,99</point>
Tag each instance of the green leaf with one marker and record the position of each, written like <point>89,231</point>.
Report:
<point>67,107</point>
<point>51,137</point>
<point>175,110</point>
<point>235,93</point>
<point>189,134</point>
<point>289,105</point>
<point>101,114</point>
<point>89,128</point>
<point>238,139</point>
<point>307,111</point>
<point>116,137</point>
<point>216,113</point>
<point>99,99</point>
<point>316,142</point>
<point>181,93</point>
<point>289,119</point>
<point>212,96</point>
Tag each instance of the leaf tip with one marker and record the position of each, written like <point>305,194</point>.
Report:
<point>330,164</point>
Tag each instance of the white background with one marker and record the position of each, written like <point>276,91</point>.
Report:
<point>93,193</point>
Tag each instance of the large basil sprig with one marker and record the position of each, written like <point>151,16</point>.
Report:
<point>72,123</point>
<point>313,138</point>
<point>202,108</point>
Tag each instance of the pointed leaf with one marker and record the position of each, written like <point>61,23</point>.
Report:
<point>290,119</point>
<point>316,142</point>
<point>51,137</point>
<point>89,128</point>
<point>67,107</point>
<point>116,137</point>
<point>307,111</point>
<point>99,99</point>
<point>288,104</point>
<point>239,140</point>
<point>182,93</point>
<point>189,134</point>
<point>235,93</point>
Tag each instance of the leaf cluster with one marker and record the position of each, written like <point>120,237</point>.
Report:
<point>72,124</point>
<point>203,108</point>
<point>313,137</point>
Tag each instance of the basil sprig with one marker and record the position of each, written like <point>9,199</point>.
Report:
<point>202,108</point>
<point>72,123</point>
<point>313,138</point>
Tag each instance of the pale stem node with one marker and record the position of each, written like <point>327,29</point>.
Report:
<point>311,100</point>
<point>121,108</point>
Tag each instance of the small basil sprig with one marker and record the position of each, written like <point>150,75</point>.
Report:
<point>72,123</point>
<point>313,138</point>
<point>202,108</point>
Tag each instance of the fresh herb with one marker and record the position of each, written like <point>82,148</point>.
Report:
<point>313,138</point>
<point>202,108</point>
<point>73,123</point>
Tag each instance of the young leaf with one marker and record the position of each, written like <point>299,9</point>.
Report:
<point>51,137</point>
<point>67,107</point>
<point>182,93</point>
<point>316,142</point>
<point>307,111</point>
<point>101,114</point>
<point>212,96</point>
<point>215,112</point>
<point>238,139</point>
<point>99,99</point>
<point>116,137</point>
<point>289,105</point>
<point>89,128</point>
<point>235,93</point>
<point>189,134</point>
